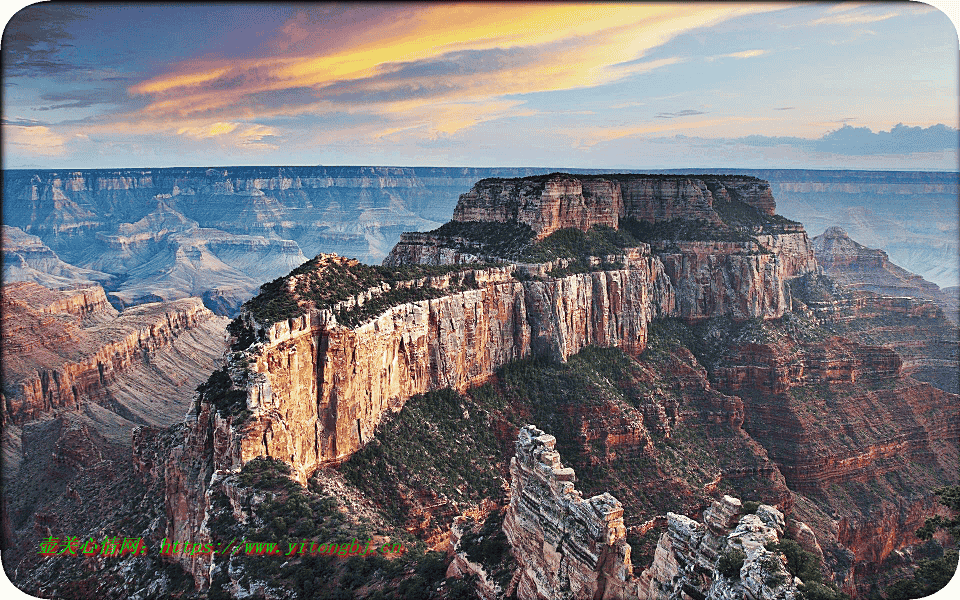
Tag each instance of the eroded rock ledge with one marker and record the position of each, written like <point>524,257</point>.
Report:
<point>568,547</point>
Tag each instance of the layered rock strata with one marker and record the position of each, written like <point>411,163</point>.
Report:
<point>688,556</point>
<point>567,546</point>
<point>318,389</point>
<point>551,202</point>
<point>861,268</point>
<point>63,348</point>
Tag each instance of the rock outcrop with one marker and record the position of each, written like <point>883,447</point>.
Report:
<point>567,546</point>
<point>690,557</point>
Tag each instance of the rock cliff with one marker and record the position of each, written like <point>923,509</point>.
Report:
<point>551,202</point>
<point>319,389</point>
<point>57,354</point>
<point>567,547</point>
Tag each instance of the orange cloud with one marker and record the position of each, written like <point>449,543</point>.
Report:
<point>543,47</point>
<point>36,139</point>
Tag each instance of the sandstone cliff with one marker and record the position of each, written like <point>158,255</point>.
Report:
<point>319,389</point>
<point>58,355</point>
<point>551,202</point>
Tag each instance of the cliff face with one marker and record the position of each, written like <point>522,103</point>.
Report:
<point>860,268</point>
<point>321,388</point>
<point>61,355</point>
<point>568,547</point>
<point>556,201</point>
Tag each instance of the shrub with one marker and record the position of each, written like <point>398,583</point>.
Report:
<point>750,507</point>
<point>730,563</point>
<point>800,563</point>
<point>819,591</point>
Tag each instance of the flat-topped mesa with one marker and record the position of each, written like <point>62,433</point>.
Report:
<point>547,203</point>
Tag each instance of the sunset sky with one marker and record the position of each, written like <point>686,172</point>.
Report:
<point>846,85</point>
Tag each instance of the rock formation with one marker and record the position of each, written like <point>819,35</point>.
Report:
<point>27,258</point>
<point>63,348</point>
<point>690,555</point>
<point>354,376</point>
<point>860,268</point>
<point>78,379</point>
<point>551,202</point>
<point>567,547</point>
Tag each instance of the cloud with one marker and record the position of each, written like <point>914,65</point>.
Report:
<point>785,108</point>
<point>901,139</point>
<point>422,56</point>
<point>861,141</point>
<point>849,19</point>
<point>741,54</point>
<point>683,113</point>
<point>36,42</point>
<point>35,139</point>
<point>81,98</point>
<point>208,131</point>
<point>253,136</point>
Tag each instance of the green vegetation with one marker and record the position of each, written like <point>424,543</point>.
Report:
<point>932,575</point>
<point>327,280</point>
<point>377,305</point>
<point>800,563</point>
<point>284,512</point>
<point>730,563</point>
<point>687,230</point>
<point>486,238</point>
<point>750,507</point>
<point>743,217</point>
<point>949,497</point>
<point>220,391</point>
<point>489,547</point>
<point>818,591</point>
<point>429,448</point>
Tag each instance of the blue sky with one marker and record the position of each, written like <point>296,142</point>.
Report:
<point>835,85</point>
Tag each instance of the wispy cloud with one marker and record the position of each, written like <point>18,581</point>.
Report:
<point>35,140</point>
<point>443,55</point>
<point>741,54</point>
<point>683,113</point>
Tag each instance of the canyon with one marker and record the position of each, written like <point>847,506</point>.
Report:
<point>78,378</point>
<point>736,348</point>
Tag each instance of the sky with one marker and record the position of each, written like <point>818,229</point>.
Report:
<point>848,85</point>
